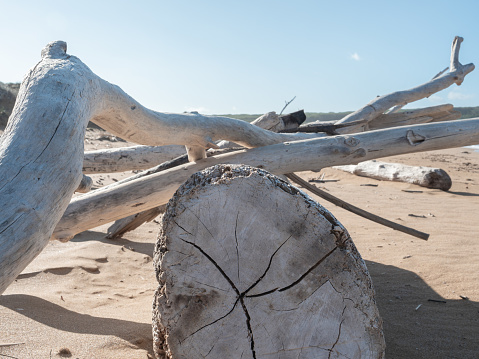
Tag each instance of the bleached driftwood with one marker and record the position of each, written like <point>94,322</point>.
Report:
<point>118,201</point>
<point>65,94</point>
<point>41,155</point>
<point>41,150</point>
<point>134,221</point>
<point>269,121</point>
<point>423,176</point>
<point>263,279</point>
<point>144,157</point>
<point>356,210</point>
<point>381,104</point>
<point>129,158</point>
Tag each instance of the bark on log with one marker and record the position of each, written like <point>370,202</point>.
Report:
<point>273,276</point>
<point>422,176</point>
<point>41,155</point>
<point>106,205</point>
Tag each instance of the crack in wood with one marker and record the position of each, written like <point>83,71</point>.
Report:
<point>267,268</point>
<point>236,239</point>
<point>296,281</point>
<point>339,333</point>
<point>240,296</point>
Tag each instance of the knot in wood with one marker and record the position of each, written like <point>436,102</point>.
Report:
<point>55,50</point>
<point>360,152</point>
<point>351,141</point>
<point>414,139</point>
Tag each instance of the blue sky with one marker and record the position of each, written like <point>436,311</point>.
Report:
<point>222,57</point>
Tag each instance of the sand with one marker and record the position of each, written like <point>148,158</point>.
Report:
<point>91,297</point>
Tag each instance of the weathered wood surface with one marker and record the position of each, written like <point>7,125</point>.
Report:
<point>420,175</point>
<point>132,222</point>
<point>129,158</point>
<point>41,155</point>
<point>265,279</point>
<point>117,201</point>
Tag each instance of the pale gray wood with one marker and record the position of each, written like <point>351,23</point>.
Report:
<point>420,175</point>
<point>381,104</point>
<point>117,201</point>
<point>264,279</point>
<point>41,154</point>
<point>129,158</point>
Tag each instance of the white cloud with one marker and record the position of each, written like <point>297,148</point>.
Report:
<point>456,95</point>
<point>355,56</point>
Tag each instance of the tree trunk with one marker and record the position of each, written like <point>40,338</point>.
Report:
<point>420,175</point>
<point>250,267</point>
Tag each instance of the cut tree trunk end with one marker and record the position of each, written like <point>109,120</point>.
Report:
<point>250,267</point>
<point>428,177</point>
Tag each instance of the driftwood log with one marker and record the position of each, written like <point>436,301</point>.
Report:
<point>420,175</point>
<point>274,276</point>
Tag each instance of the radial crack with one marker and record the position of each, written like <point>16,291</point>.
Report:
<point>236,239</point>
<point>309,270</point>
<point>239,298</point>
<point>267,268</point>
<point>339,333</point>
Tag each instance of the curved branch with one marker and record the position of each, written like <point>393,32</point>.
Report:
<point>379,105</point>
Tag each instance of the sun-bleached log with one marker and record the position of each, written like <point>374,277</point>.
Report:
<point>413,117</point>
<point>41,155</point>
<point>387,120</point>
<point>420,175</point>
<point>129,158</point>
<point>381,104</point>
<point>104,206</point>
<point>265,278</point>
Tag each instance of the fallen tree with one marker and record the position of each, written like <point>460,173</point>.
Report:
<point>45,157</point>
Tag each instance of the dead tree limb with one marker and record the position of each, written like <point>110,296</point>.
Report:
<point>379,105</point>
<point>356,210</point>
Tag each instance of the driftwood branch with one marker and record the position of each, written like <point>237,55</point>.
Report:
<point>356,210</point>
<point>378,106</point>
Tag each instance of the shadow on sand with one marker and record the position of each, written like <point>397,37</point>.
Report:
<point>435,329</point>
<point>60,318</point>
<point>418,323</point>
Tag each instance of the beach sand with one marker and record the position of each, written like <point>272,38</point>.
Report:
<point>91,297</point>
